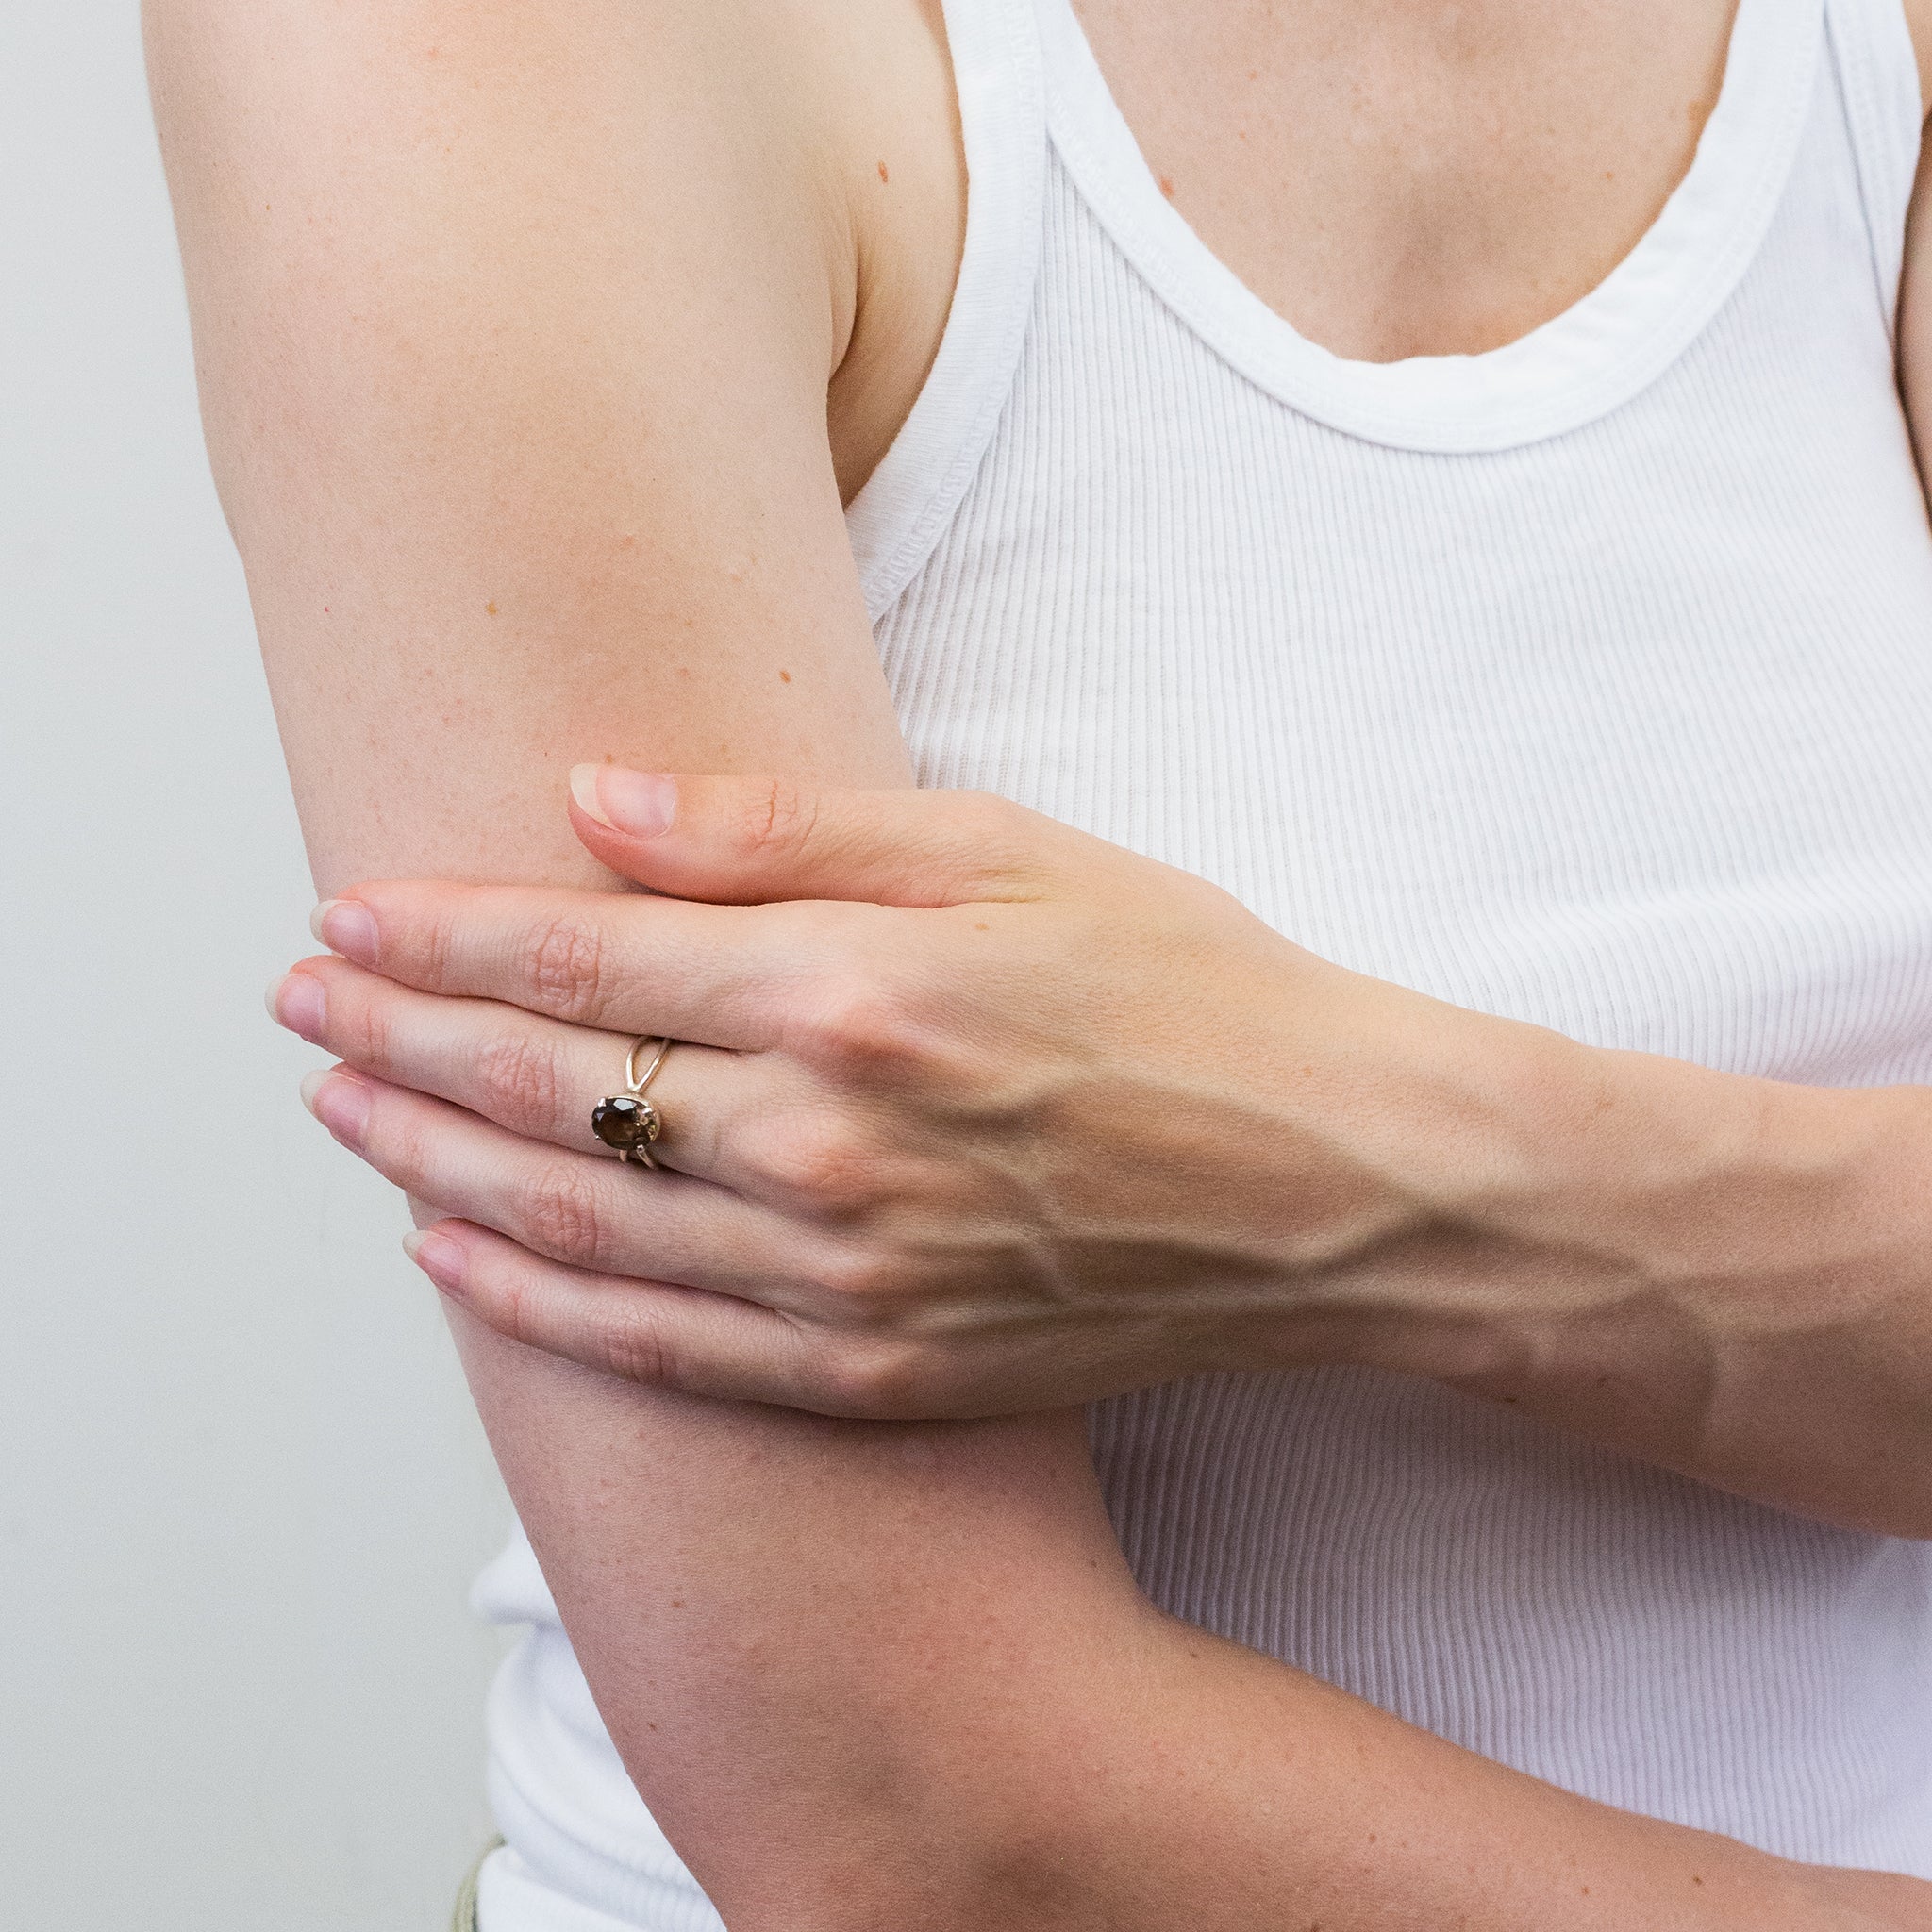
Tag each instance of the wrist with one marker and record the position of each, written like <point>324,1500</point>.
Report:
<point>1681,1263</point>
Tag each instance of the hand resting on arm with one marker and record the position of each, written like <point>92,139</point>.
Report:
<point>1054,1122</point>
<point>942,1155</point>
<point>515,328</point>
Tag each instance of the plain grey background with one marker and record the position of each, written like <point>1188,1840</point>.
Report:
<point>241,1492</point>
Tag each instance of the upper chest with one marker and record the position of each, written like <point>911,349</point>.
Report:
<point>1396,178</point>
<point>1406,177</point>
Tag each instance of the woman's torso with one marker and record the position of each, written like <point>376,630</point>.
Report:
<point>1589,680</point>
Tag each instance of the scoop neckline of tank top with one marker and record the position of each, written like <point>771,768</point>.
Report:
<point>1570,371</point>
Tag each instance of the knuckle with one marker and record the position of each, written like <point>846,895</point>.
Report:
<point>438,944</point>
<point>637,1347</point>
<point>1008,834</point>
<point>774,819</point>
<point>561,1214</point>
<point>995,827</point>
<point>862,1285</point>
<point>821,1166</point>
<point>417,924</point>
<point>368,1034</point>
<point>999,820</point>
<point>518,1083</point>
<point>564,966</point>
<point>858,1024</point>
<point>511,1296</point>
<point>879,1379</point>
<point>400,1150</point>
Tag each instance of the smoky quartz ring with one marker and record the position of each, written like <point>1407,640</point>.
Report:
<point>627,1121</point>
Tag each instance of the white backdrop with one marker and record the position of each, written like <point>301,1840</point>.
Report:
<point>241,1489</point>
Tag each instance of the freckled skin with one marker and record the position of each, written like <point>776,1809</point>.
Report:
<point>526,346</point>
<point>1381,186</point>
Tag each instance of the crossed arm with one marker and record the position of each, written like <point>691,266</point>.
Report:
<point>515,327</point>
<point>978,1115</point>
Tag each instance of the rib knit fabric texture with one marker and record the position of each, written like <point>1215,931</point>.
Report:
<point>1586,682</point>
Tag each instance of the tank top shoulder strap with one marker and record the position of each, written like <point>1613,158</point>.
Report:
<point>896,517</point>
<point>1878,82</point>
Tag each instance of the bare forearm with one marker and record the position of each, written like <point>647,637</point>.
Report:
<point>1725,1275</point>
<point>797,1629</point>
<point>1146,1776</point>
<point>966,1715</point>
<point>1765,1320</point>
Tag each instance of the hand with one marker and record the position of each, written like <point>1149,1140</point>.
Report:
<point>969,1113</point>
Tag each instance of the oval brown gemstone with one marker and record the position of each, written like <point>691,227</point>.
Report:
<point>625,1120</point>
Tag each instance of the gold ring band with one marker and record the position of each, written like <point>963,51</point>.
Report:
<point>637,1082</point>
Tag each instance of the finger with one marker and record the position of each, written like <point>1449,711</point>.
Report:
<point>749,841</point>
<point>662,1335</point>
<point>571,1208</point>
<point>540,1078</point>
<point>722,975</point>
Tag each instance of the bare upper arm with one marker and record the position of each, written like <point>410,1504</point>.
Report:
<point>514,326</point>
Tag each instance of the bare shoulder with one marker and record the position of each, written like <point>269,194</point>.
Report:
<point>514,326</point>
<point>775,160</point>
<point>594,141</point>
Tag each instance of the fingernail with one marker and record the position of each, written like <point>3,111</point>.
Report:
<point>341,1103</point>
<point>299,1001</point>
<point>346,926</point>
<point>583,788</point>
<point>642,803</point>
<point>438,1258</point>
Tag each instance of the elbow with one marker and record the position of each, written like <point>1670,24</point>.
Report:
<point>886,1874</point>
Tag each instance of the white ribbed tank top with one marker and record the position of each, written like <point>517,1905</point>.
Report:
<point>1587,681</point>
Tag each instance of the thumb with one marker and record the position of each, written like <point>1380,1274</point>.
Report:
<point>751,840</point>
